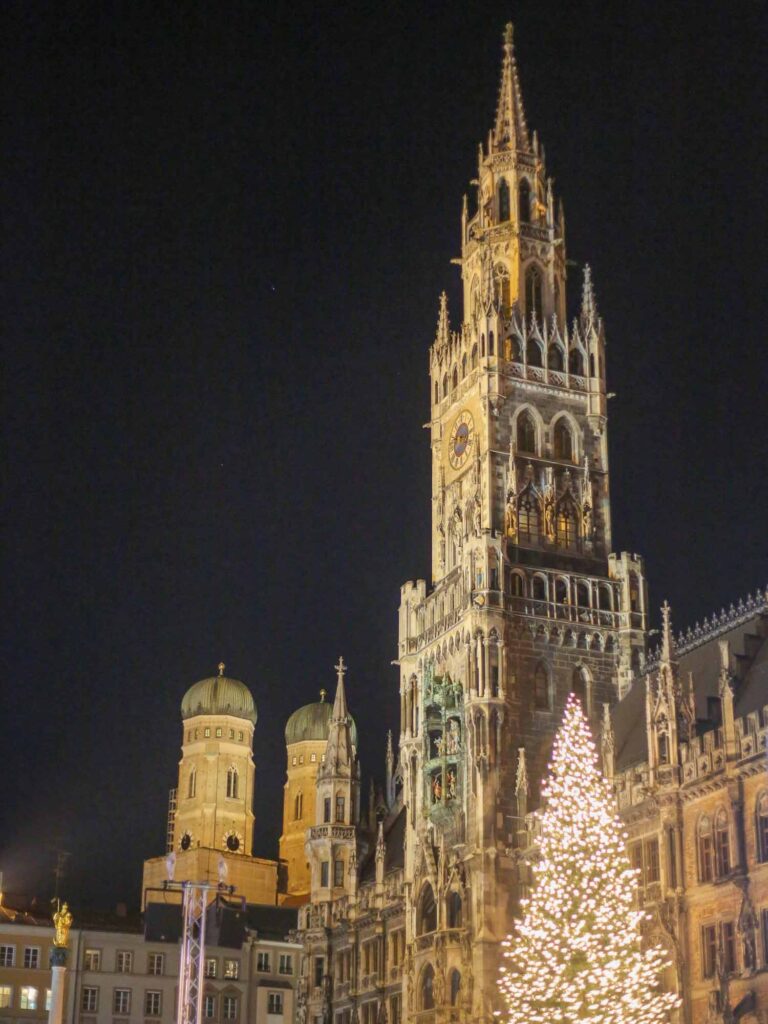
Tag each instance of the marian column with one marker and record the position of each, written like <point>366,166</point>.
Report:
<point>62,922</point>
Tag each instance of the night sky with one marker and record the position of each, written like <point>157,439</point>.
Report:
<point>225,231</point>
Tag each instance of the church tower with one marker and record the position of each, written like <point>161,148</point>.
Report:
<point>526,602</point>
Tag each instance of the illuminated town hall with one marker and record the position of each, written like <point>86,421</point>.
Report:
<point>409,901</point>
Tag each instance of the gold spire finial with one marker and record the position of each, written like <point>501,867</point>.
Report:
<point>323,695</point>
<point>341,668</point>
<point>222,666</point>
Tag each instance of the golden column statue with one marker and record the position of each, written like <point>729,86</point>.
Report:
<point>62,922</point>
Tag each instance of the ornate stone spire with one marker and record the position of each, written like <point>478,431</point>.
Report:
<point>338,753</point>
<point>510,131</point>
<point>442,335</point>
<point>588,314</point>
<point>667,639</point>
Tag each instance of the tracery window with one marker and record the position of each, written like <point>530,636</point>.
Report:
<point>528,518</point>
<point>526,433</point>
<point>426,918</point>
<point>533,293</point>
<point>563,440</point>
<point>566,524</point>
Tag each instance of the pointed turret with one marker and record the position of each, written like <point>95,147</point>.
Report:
<point>442,336</point>
<point>667,639</point>
<point>390,793</point>
<point>510,131</point>
<point>588,315</point>
<point>338,753</point>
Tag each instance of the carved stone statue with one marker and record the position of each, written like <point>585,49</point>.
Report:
<point>477,516</point>
<point>510,516</point>
<point>549,514</point>
<point>62,922</point>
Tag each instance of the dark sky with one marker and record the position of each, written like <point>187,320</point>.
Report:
<point>225,230</point>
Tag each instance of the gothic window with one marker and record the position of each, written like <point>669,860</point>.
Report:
<point>561,592</point>
<point>591,366</point>
<point>192,783</point>
<point>762,833</point>
<point>517,584</point>
<point>722,844</point>
<point>232,781</point>
<point>663,748</point>
<point>445,385</point>
<point>533,353</point>
<point>437,392</point>
<point>604,598</point>
<point>474,356</point>
<point>526,433</point>
<point>298,807</point>
<point>515,350</point>
<point>338,872</point>
<point>326,810</point>
<point>453,906</point>
<point>706,850</point>
<point>541,688</point>
<point>563,441</point>
<point>501,287</point>
<point>426,918</point>
<point>455,379</point>
<point>491,344</point>
<point>482,346</point>
<point>555,358</point>
<point>580,686</point>
<point>464,365</point>
<point>455,987</point>
<point>528,520</point>
<point>427,988</point>
<point>576,362</point>
<point>582,594</point>
<point>539,588</point>
<point>340,808</point>
<point>533,293</point>
<point>566,523</point>
<point>503,201</point>
<point>524,201</point>
<point>634,593</point>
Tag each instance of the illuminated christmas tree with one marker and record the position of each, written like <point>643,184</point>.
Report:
<point>576,956</point>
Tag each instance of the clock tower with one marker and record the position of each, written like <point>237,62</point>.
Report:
<point>526,602</point>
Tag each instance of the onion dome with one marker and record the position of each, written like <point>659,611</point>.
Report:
<point>219,695</point>
<point>313,722</point>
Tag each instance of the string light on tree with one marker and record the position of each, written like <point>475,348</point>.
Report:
<point>576,956</point>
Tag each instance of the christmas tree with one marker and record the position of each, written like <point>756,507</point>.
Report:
<point>576,956</point>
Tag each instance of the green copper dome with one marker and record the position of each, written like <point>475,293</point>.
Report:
<point>312,722</point>
<point>219,695</point>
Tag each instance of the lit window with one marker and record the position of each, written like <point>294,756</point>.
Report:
<point>28,998</point>
<point>121,1002</point>
<point>286,964</point>
<point>275,1002</point>
<point>90,999</point>
<point>218,732</point>
<point>231,734</point>
<point>153,1003</point>
<point>124,962</point>
<point>294,759</point>
<point>528,517</point>
<point>209,1007</point>
<point>48,995</point>
<point>262,961</point>
<point>92,960</point>
<point>7,956</point>
<point>211,967</point>
<point>229,1004</point>
<point>155,963</point>
<point>566,523</point>
<point>6,996</point>
<point>232,969</point>
<point>32,957</point>
<point>313,758</point>
<point>301,759</point>
<point>207,731</point>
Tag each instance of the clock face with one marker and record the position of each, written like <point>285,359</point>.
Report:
<point>461,440</point>
<point>232,841</point>
<point>186,841</point>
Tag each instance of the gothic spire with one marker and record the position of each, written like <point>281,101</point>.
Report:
<point>443,327</point>
<point>511,131</point>
<point>667,639</point>
<point>588,303</point>
<point>338,754</point>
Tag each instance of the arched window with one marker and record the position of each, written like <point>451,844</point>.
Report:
<point>567,534</point>
<point>634,592</point>
<point>491,344</point>
<point>464,365</point>
<point>524,201</point>
<point>503,195</point>
<point>445,385</point>
<point>576,362</point>
<point>541,688</point>
<point>579,685</point>
<point>455,987</point>
<point>533,352</point>
<point>761,809</point>
<point>604,597</point>
<point>474,356</point>
<point>526,433</point>
<point>529,520</point>
<point>298,807</point>
<point>722,844</point>
<point>533,293</point>
<point>453,906</point>
<point>428,988</point>
<point>555,358</point>
<point>192,787</point>
<point>563,441</point>
<point>582,594</point>
<point>561,591</point>
<point>426,919</point>
<point>232,783</point>
<point>455,380</point>
<point>706,849</point>
<point>539,588</point>
<point>517,584</point>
